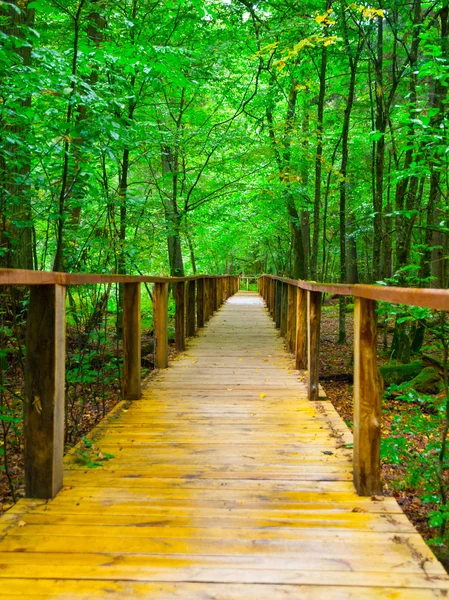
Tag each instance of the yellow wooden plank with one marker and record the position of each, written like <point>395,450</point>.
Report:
<point>226,483</point>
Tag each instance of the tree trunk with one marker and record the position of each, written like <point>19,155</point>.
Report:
<point>318,162</point>
<point>16,228</point>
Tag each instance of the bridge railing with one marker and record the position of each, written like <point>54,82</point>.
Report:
<point>295,307</point>
<point>196,299</point>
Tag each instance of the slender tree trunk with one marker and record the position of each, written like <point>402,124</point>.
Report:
<point>67,179</point>
<point>381,125</point>
<point>16,228</point>
<point>318,161</point>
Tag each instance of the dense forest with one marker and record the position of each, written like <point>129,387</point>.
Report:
<point>308,140</point>
<point>176,137</point>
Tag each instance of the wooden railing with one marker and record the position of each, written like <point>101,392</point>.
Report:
<point>295,307</point>
<point>196,300</point>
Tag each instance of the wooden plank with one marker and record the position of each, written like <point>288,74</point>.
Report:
<point>215,291</point>
<point>291,318</point>
<point>132,343</point>
<point>301,330</point>
<point>190,309</point>
<point>43,422</point>
<point>160,317</point>
<point>368,387</point>
<point>200,303</point>
<point>225,482</point>
<point>180,333</point>
<point>207,308</point>
<point>313,343</point>
<point>284,308</point>
<point>278,304</point>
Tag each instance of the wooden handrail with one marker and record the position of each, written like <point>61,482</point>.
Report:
<point>196,299</point>
<point>425,297</point>
<point>28,277</point>
<point>302,332</point>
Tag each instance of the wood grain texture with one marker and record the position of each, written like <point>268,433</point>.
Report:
<point>160,318</point>
<point>190,308</point>
<point>313,343</point>
<point>132,364</point>
<point>226,483</point>
<point>180,317</point>
<point>200,303</point>
<point>43,421</point>
<point>368,387</point>
<point>278,304</point>
<point>301,330</point>
<point>291,318</point>
<point>284,309</point>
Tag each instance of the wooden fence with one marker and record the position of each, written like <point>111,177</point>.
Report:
<point>295,307</point>
<point>196,300</point>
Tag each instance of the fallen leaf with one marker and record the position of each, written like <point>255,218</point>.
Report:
<point>262,395</point>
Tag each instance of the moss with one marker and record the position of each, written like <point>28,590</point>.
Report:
<point>396,374</point>
<point>427,382</point>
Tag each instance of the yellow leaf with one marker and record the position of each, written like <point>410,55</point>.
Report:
<point>262,395</point>
<point>21,523</point>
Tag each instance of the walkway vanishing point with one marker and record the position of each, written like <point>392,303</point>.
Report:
<point>227,484</point>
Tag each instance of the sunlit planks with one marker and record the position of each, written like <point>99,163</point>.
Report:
<point>227,483</point>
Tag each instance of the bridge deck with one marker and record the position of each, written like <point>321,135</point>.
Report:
<point>226,483</point>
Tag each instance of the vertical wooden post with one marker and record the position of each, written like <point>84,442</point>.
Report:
<point>278,303</point>
<point>190,309</point>
<point>180,329</point>
<point>132,364</point>
<point>206,299</point>
<point>273,298</point>
<point>43,418</point>
<point>291,318</point>
<point>215,293</point>
<point>284,309</point>
<point>301,329</point>
<point>200,302</point>
<point>219,291</point>
<point>313,343</point>
<point>160,317</point>
<point>368,387</point>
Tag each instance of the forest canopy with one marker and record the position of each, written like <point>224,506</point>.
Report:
<point>307,139</point>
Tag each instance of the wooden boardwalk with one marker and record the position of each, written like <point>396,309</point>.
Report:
<point>227,484</point>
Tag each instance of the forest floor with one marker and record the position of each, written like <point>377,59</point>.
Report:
<point>410,432</point>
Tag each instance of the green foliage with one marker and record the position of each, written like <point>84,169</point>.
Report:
<point>90,456</point>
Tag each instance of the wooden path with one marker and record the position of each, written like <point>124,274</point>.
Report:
<point>226,484</point>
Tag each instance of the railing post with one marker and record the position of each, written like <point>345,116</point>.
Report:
<point>313,343</point>
<point>206,299</point>
<point>43,419</point>
<point>219,292</point>
<point>301,329</point>
<point>160,317</point>
<point>215,293</point>
<point>200,302</point>
<point>278,303</point>
<point>180,330</point>
<point>291,318</point>
<point>284,309</point>
<point>367,399</point>
<point>132,363</point>
<point>190,309</point>
<point>273,299</point>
